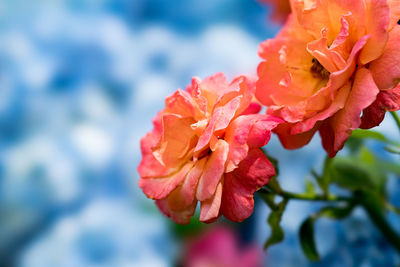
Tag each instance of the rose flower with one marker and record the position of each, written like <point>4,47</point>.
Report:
<point>221,247</point>
<point>334,67</point>
<point>205,146</point>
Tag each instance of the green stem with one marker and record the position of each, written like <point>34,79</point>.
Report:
<point>369,201</point>
<point>307,197</point>
<point>269,201</point>
<point>396,118</point>
<point>304,197</point>
<point>371,204</point>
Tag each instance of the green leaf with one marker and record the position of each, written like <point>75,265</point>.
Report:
<point>358,136</point>
<point>306,234</point>
<point>368,134</point>
<point>354,144</point>
<point>374,205</point>
<point>389,167</point>
<point>274,220</point>
<point>367,156</point>
<point>351,174</point>
<point>336,212</point>
<point>370,163</point>
<point>393,149</point>
<point>371,200</point>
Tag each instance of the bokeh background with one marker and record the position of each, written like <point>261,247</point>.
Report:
<point>80,81</point>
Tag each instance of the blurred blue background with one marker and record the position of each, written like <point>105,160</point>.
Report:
<point>79,84</point>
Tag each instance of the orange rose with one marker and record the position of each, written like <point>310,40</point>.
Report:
<point>205,148</point>
<point>333,61</point>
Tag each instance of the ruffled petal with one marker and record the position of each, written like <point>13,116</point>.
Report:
<point>388,100</point>
<point>290,141</point>
<point>177,140</point>
<point>337,104</point>
<point>220,119</point>
<point>158,188</point>
<point>316,14</point>
<point>260,131</point>
<point>284,77</point>
<point>378,19</point>
<point>331,60</point>
<point>210,207</point>
<point>213,171</point>
<point>247,86</point>
<point>237,200</point>
<point>180,103</point>
<point>242,88</point>
<point>386,69</point>
<point>340,78</point>
<point>327,137</point>
<point>394,6</point>
<point>239,186</point>
<point>362,95</point>
<point>149,166</point>
<point>200,101</point>
<point>253,108</point>
<point>248,131</point>
<point>213,87</point>
<point>186,194</point>
<point>180,217</point>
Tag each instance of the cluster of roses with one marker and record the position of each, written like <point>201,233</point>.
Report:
<point>334,67</point>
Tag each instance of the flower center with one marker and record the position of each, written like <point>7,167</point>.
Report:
<point>318,71</point>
